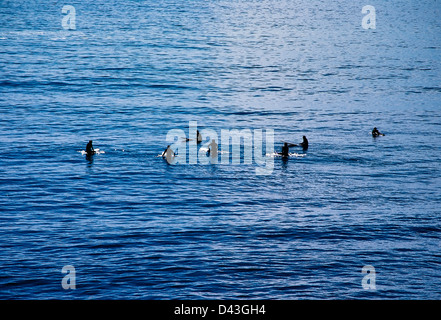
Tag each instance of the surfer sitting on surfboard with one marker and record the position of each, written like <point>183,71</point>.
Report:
<point>89,149</point>
<point>305,143</point>
<point>168,153</point>
<point>212,148</point>
<point>376,133</point>
<point>285,149</point>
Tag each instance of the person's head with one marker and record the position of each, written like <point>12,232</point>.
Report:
<point>168,146</point>
<point>375,128</point>
<point>285,144</point>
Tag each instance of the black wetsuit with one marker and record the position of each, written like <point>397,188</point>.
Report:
<point>305,143</point>
<point>285,150</point>
<point>89,149</point>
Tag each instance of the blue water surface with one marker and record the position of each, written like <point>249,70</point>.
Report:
<point>135,227</point>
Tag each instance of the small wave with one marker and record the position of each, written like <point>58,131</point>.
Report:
<point>291,154</point>
<point>97,151</point>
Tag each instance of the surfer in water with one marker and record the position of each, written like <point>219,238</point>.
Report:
<point>286,146</point>
<point>89,149</point>
<point>198,137</point>
<point>212,149</point>
<point>168,154</point>
<point>285,149</point>
<point>376,133</point>
<point>305,143</point>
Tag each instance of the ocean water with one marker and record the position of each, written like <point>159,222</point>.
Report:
<point>135,227</point>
